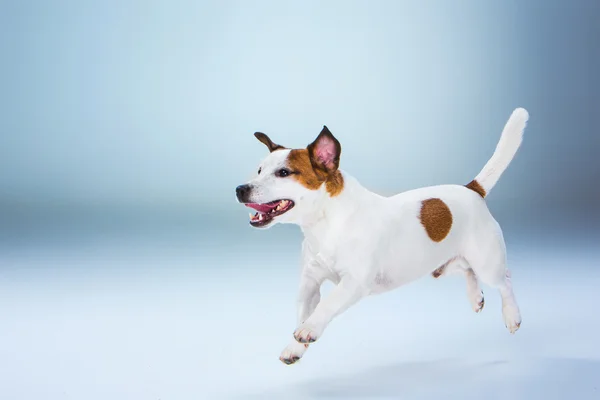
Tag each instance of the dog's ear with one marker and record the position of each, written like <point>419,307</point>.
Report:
<point>325,152</point>
<point>265,139</point>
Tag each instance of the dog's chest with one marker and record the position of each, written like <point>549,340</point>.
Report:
<point>320,261</point>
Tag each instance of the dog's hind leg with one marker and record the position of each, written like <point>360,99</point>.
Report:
<point>487,257</point>
<point>474,292</point>
<point>460,265</point>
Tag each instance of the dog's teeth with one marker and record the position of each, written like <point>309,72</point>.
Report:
<point>251,216</point>
<point>278,208</point>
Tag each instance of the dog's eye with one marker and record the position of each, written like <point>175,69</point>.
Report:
<point>282,173</point>
<point>260,169</point>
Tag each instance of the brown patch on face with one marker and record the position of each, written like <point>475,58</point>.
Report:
<point>436,218</point>
<point>476,187</point>
<point>334,184</point>
<point>311,178</point>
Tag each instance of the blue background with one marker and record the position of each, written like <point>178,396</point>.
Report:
<point>128,270</point>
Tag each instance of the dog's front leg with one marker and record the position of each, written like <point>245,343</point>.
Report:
<point>309,296</point>
<point>345,294</point>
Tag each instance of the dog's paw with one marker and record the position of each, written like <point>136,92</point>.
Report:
<point>307,333</point>
<point>512,318</point>
<point>477,301</point>
<point>293,352</point>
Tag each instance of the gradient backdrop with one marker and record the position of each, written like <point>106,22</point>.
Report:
<point>128,271</point>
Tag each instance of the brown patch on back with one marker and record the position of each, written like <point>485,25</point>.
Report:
<point>476,187</point>
<point>436,218</point>
<point>303,172</point>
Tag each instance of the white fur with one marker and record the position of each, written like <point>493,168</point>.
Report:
<point>368,244</point>
<point>507,147</point>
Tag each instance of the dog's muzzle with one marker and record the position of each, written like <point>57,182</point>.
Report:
<point>265,212</point>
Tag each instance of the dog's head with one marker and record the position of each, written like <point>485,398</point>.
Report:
<point>291,183</point>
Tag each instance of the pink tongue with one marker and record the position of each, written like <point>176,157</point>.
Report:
<point>261,207</point>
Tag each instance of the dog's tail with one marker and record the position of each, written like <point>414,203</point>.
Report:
<point>507,147</point>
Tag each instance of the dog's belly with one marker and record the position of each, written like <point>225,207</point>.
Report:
<point>407,260</point>
<point>391,278</point>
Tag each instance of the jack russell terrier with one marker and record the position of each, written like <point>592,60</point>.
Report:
<point>368,244</point>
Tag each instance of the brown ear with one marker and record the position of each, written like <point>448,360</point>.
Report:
<point>265,139</point>
<point>325,152</point>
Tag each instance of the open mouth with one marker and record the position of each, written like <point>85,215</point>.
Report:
<point>266,212</point>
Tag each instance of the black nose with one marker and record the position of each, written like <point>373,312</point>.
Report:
<point>242,192</point>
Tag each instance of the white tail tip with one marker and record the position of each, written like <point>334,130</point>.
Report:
<point>521,114</point>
